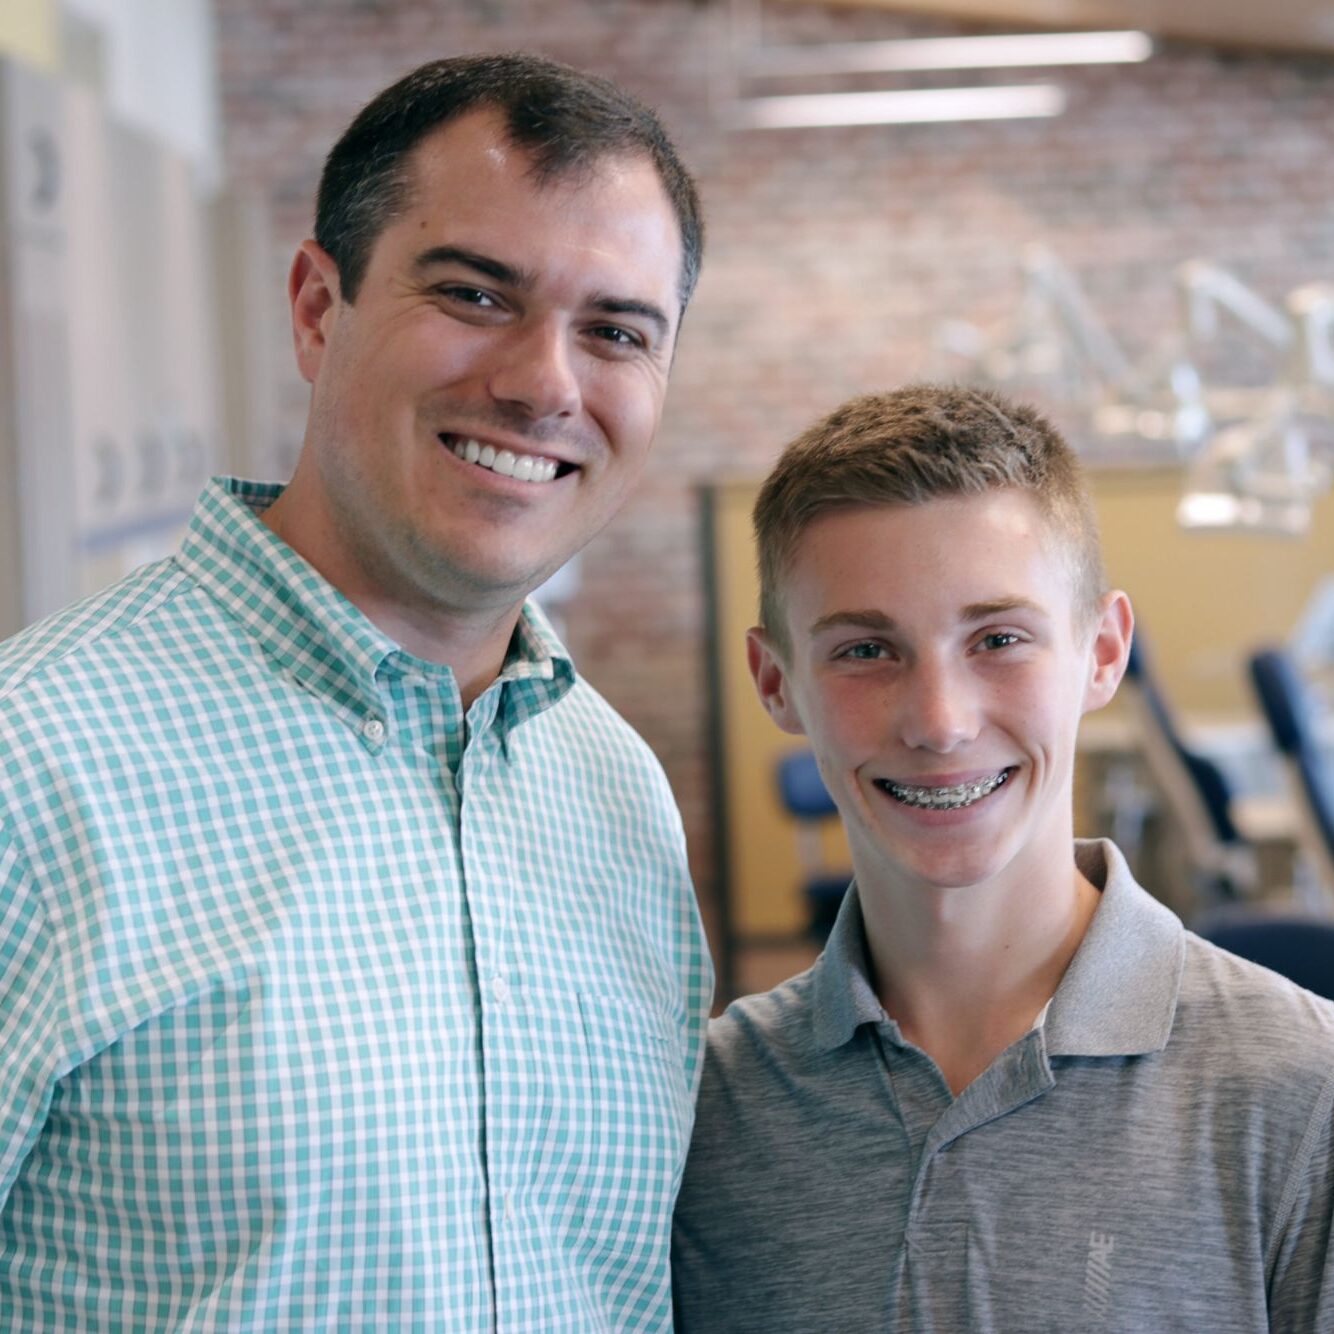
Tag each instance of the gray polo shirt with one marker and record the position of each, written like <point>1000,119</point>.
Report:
<point>1156,1155</point>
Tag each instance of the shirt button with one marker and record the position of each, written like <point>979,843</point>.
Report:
<point>373,730</point>
<point>507,1211</point>
<point>500,989</point>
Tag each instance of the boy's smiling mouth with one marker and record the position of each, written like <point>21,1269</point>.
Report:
<point>952,798</point>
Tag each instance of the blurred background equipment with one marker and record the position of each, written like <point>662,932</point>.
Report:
<point>1255,454</point>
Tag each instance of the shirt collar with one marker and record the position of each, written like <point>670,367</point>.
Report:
<point>844,998</point>
<point>311,632</point>
<point>1118,997</point>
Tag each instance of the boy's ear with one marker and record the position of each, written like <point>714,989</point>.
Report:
<point>771,681</point>
<point>1109,650</point>
<point>313,292</point>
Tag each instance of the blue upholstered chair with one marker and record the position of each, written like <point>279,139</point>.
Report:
<point>1290,710</point>
<point>806,799</point>
<point>1301,948</point>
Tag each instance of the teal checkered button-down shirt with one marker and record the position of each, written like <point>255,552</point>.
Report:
<point>323,1006</point>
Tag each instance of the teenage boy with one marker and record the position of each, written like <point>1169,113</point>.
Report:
<point>1014,1093</point>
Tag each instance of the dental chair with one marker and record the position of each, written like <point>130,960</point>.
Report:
<point>1194,789</point>
<point>1289,708</point>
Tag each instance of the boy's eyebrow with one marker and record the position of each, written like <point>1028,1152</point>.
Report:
<point>865,620</point>
<point>981,611</point>
<point>525,280</point>
<point>872,619</point>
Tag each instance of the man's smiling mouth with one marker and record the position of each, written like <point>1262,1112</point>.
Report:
<point>945,798</point>
<point>505,462</point>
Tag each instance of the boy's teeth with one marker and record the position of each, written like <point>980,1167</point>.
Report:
<point>524,467</point>
<point>946,798</point>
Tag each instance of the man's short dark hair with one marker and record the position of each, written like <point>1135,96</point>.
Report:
<point>565,119</point>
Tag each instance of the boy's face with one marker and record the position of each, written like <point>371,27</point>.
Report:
<point>939,669</point>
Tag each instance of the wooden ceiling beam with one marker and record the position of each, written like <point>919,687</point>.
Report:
<point>1277,25</point>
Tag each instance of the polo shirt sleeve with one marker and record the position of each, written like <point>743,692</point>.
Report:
<point>1301,1289</point>
<point>32,1012</point>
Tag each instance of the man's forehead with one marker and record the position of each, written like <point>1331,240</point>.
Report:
<point>468,176</point>
<point>480,141</point>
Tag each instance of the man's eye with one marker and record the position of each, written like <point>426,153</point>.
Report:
<point>470,296</point>
<point>999,639</point>
<point>614,334</point>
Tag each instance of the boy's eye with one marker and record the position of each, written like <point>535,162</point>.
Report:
<point>866,651</point>
<point>999,639</point>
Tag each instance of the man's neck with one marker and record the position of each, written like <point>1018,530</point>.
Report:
<point>472,642</point>
<point>966,972</point>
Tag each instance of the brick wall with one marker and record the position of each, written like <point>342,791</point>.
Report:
<point>832,253</point>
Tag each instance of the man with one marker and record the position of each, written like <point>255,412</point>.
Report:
<point>1013,1094</point>
<point>351,973</point>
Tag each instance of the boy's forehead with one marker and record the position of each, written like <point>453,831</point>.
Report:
<point>950,553</point>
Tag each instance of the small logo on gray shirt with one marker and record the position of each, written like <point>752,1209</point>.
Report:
<point>1098,1275</point>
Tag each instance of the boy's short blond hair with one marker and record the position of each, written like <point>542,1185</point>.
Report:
<point>909,446</point>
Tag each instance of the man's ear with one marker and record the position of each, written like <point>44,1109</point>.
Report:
<point>1109,650</point>
<point>771,681</point>
<point>313,292</point>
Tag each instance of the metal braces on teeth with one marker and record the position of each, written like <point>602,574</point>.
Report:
<point>947,798</point>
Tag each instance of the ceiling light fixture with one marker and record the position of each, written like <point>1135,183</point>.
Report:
<point>900,108</point>
<point>1010,51</point>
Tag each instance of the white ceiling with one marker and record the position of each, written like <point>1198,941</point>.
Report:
<point>1274,24</point>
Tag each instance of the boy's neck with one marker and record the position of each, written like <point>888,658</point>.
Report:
<point>966,972</point>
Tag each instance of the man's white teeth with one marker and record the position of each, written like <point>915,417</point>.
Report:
<point>525,467</point>
<point>946,798</point>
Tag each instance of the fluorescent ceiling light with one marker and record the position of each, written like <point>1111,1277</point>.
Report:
<point>930,53</point>
<point>1211,509</point>
<point>901,108</point>
<point>1225,510</point>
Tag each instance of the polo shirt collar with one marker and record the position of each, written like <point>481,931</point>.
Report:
<point>1118,997</point>
<point>843,995</point>
<point>309,630</point>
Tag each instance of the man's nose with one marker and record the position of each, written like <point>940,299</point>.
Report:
<point>533,370</point>
<point>940,711</point>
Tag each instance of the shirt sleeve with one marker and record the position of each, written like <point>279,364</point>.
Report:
<point>32,1013</point>
<point>698,979</point>
<point>1301,1286</point>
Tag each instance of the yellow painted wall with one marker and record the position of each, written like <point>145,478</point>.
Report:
<point>30,30</point>
<point>1203,601</point>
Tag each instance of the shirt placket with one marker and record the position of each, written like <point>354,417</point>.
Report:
<point>938,1269</point>
<point>506,1079</point>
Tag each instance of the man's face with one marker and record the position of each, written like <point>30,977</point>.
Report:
<point>939,672</point>
<point>483,407</point>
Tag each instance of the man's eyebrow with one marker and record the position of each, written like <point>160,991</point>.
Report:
<point>863,620</point>
<point>473,259</point>
<point>981,611</point>
<point>617,305</point>
<point>526,280</point>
